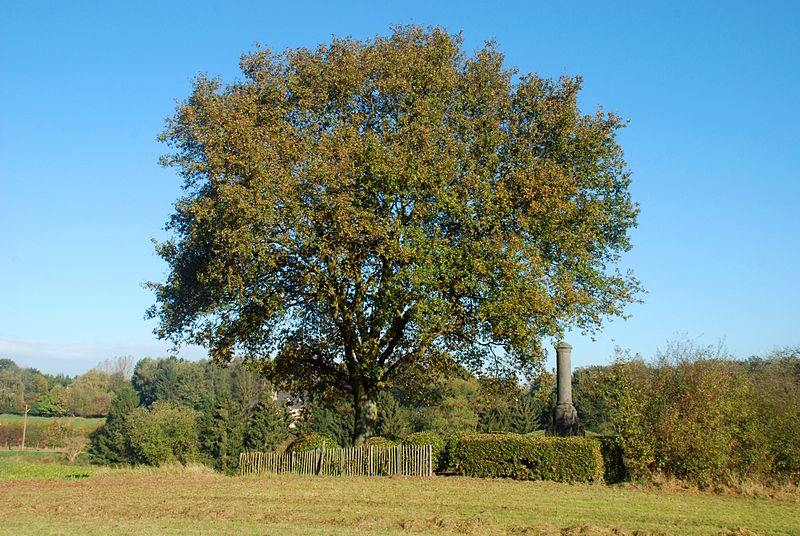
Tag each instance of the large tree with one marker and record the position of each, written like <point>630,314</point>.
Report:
<point>372,206</point>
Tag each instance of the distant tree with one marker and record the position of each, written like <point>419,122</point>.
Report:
<point>371,205</point>
<point>526,416</point>
<point>451,408</point>
<point>247,385</point>
<point>12,388</point>
<point>90,394</point>
<point>542,390</point>
<point>171,380</point>
<point>53,404</point>
<point>118,369</point>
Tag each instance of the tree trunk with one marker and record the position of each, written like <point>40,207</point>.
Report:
<point>365,403</point>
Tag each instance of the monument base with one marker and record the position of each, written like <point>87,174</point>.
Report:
<point>565,420</point>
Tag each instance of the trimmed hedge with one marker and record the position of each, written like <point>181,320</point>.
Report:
<point>562,459</point>
<point>429,438</point>
<point>313,441</point>
<point>379,441</point>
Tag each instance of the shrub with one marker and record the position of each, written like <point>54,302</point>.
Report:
<point>74,446</point>
<point>429,438</point>
<point>628,393</point>
<point>161,434</point>
<point>378,441</point>
<point>54,434</point>
<point>563,459</point>
<point>313,441</point>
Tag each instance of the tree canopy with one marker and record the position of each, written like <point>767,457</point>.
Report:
<point>373,206</point>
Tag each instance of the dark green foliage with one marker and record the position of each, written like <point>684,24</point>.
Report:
<point>170,380</point>
<point>518,414</point>
<point>332,418</point>
<point>218,401</point>
<point>221,434</point>
<point>267,426</point>
<point>449,405</point>
<point>378,441</point>
<point>526,415</point>
<point>393,421</point>
<point>313,441</point>
<point>613,464</point>
<point>429,438</point>
<point>563,459</point>
<point>108,442</point>
<point>543,395</point>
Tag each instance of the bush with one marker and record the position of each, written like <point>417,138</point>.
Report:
<point>562,459</point>
<point>162,434</point>
<point>378,441</point>
<point>429,438</point>
<point>312,441</point>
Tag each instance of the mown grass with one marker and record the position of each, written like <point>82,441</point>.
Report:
<point>195,500</point>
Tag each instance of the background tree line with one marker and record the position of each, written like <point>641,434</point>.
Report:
<point>48,395</point>
<point>691,413</point>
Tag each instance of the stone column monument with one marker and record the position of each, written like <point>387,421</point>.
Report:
<point>565,417</point>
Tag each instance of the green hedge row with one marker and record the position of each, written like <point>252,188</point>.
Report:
<point>562,459</point>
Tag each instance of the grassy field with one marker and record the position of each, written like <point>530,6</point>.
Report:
<point>88,425</point>
<point>40,456</point>
<point>194,500</point>
<point>16,469</point>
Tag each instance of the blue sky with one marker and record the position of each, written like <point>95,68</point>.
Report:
<point>710,89</point>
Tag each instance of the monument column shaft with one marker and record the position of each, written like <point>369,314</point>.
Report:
<point>564,373</point>
<point>565,416</point>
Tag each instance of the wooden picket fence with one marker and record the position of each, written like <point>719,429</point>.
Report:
<point>400,460</point>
